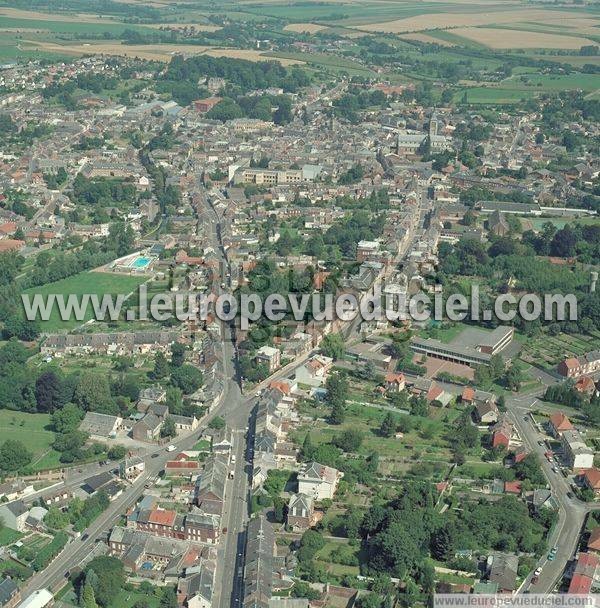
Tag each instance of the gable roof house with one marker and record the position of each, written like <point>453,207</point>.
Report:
<point>318,481</point>
<point>148,428</point>
<point>101,425</point>
<point>10,595</point>
<point>486,412</point>
<point>300,515</point>
<point>210,486</point>
<point>503,571</point>
<point>14,515</point>
<point>258,571</point>
<point>559,423</point>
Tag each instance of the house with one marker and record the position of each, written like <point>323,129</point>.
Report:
<point>269,355</point>
<point>541,498</point>
<point>318,481</point>
<point>196,589</point>
<point>10,595</point>
<point>14,514</point>
<point>501,433</point>
<point>591,480</point>
<point>314,371</point>
<point>584,574</point>
<point>573,367</point>
<point>147,428</point>
<point>300,514</point>
<point>512,487</point>
<point>98,482</point>
<point>559,423</point>
<point>594,540</point>
<point>101,425</point>
<point>11,490</point>
<point>394,382</point>
<point>158,522</point>
<point>184,423</point>
<point>468,395</point>
<point>221,440</point>
<point>585,385</point>
<point>210,486</point>
<point>202,527</point>
<point>38,599</point>
<point>486,412</point>
<point>182,468</point>
<point>131,468</point>
<point>577,454</point>
<point>503,571</point>
<point>497,224</point>
<point>259,566</point>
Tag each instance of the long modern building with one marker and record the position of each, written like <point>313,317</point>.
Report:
<point>480,354</point>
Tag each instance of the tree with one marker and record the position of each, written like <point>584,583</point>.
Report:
<point>177,354</point>
<point>174,399</point>
<point>117,452</point>
<point>161,366</point>
<point>348,441</point>
<point>217,423</point>
<point>370,600</point>
<point>333,346</point>
<point>337,388</point>
<point>14,456</point>
<point>93,394</point>
<point>16,325</point>
<point>168,428</point>
<point>55,519</point>
<point>338,413</point>
<point>110,578</point>
<point>514,377</point>
<point>67,419</point>
<point>419,407</point>
<point>308,449</point>
<point>48,391</point>
<point>388,425</point>
<point>188,378</point>
<point>88,599</point>
<point>168,598</point>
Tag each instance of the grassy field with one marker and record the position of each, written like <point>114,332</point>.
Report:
<point>33,430</point>
<point>559,222</point>
<point>491,95</point>
<point>327,62</point>
<point>97,283</point>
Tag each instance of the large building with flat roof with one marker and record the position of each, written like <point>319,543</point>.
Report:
<point>477,354</point>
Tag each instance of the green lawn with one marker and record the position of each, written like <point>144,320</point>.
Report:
<point>128,599</point>
<point>97,283</point>
<point>33,430</point>
<point>8,536</point>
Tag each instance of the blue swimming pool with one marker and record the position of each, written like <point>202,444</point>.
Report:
<point>141,262</point>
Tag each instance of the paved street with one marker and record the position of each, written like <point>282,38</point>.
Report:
<point>572,512</point>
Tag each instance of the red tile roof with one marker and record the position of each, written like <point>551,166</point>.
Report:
<point>592,478</point>
<point>580,584</point>
<point>560,422</point>
<point>468,394</point>
<point>163,517</point>
<point>182,464</point>
<point>594,540</point>
<point>512,487</point>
